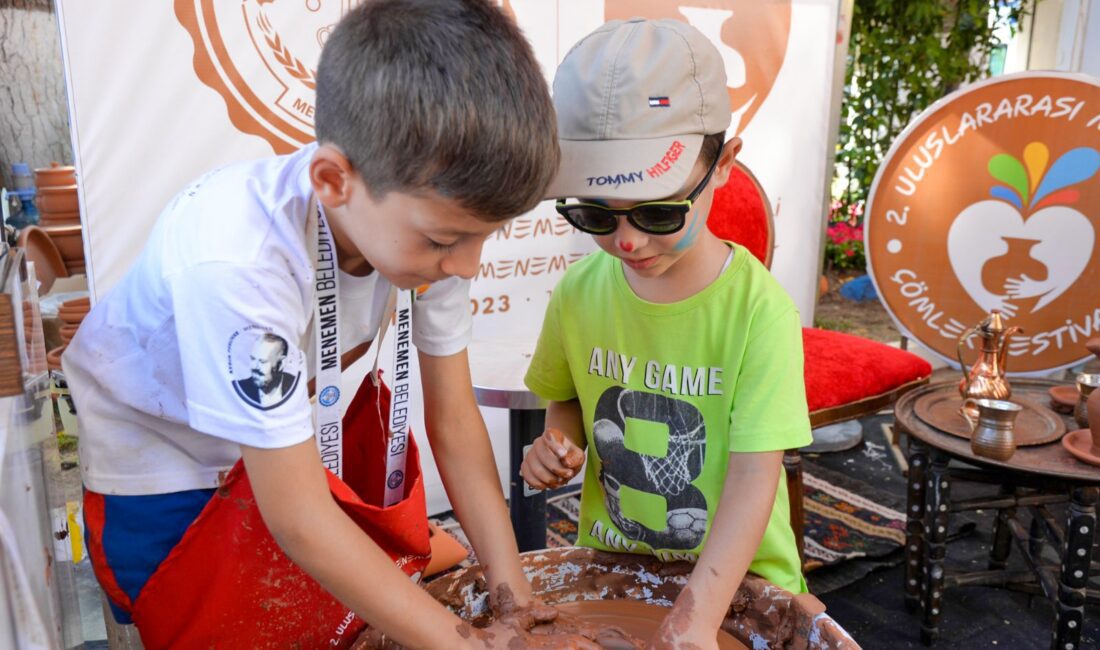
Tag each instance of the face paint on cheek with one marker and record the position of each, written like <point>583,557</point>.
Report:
<point>692,232</point>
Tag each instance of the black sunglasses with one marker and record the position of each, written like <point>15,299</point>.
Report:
<point>653,217</point>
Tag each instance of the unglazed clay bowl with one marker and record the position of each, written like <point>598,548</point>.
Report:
<point>1063,398</point>
<point>69,242</point>
<point>40,249</point>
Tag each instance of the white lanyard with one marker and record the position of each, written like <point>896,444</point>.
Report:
<point>398,443</point>
<point>330,428</point>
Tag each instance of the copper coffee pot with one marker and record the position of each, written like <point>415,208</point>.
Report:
<point>986,378</point>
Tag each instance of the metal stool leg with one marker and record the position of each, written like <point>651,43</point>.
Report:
<point>935,517</point>
<point>1080,532</point>
<point>527,507</point>
<point>914,525</point>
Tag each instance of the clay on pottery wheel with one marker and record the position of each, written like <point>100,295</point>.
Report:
<point>628,624</point>
<point>760,614</point>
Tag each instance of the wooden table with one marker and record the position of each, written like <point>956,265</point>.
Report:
<point>1031,480</point>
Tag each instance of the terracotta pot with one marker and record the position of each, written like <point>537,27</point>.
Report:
<point>61,198</point>
<point>40,249</point>
<point>54,175</point>
<point>71,317</point>
<point>53,358</point>
<point>72,312</point>
<point>46,218</point>
<point>84,303</point>
<point>69,242</point>
<point>68,331</point>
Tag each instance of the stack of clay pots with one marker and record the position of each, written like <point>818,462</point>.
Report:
<point>59,211</point>
<point>32,339</point>
<point>71,313</point>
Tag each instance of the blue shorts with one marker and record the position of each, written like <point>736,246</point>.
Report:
<point>127,538</point>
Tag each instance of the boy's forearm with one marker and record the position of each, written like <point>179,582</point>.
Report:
<point>748,496</point>
<point>567,418</point>
<point>460,444</point>
<point>314,532</point>
<point>468,469</point>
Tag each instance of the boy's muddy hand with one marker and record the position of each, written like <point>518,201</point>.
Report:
<point>552,460</point>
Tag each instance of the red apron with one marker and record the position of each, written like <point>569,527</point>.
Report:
<point>227,584</point>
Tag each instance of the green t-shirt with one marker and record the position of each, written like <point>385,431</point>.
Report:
<point>667,391</point>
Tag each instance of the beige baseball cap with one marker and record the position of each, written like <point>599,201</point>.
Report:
<point>634,100</point>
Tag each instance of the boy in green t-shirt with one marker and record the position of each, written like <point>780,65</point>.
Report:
<point>673,357</point>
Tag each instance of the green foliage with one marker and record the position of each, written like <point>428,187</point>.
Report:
<point>903,56</point>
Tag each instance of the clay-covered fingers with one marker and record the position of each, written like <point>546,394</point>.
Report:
<point>570,455</point>
<point>542,468</point>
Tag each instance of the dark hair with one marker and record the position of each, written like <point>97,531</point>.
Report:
<point>443,95</point>
<point>712,148</point>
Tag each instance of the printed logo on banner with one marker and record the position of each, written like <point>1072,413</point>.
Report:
<point>991,200</point>
<point>261,57</point>
<point>750,35</point>
<point>263,367</point>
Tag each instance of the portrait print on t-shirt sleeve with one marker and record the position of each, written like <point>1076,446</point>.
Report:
<point>265,369</point>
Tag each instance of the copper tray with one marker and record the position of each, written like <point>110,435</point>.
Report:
<point>1035,425</point>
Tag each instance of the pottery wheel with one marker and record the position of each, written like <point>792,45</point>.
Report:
<point>637,619</point>
<point>1035,425</point>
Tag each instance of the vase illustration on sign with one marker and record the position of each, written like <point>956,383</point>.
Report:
<point>1016,262</point>
<point>1026,244</point>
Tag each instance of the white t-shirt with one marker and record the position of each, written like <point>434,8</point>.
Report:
<point>206,343</point>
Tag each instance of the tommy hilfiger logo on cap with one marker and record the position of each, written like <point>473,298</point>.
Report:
<point>659,101</point>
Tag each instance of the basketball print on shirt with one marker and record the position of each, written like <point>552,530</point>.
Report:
<point>267,367</point>
<point>668,476</point>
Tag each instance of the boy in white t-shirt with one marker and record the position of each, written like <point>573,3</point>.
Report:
<point>434,125</point>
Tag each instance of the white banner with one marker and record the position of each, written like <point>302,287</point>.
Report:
<point>160,92</point>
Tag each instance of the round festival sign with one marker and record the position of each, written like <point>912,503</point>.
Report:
<point>990,200</point>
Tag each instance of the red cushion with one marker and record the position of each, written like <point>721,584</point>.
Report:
<point>842,369</point>
<point>739,214</point>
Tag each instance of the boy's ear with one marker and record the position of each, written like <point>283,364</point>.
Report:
<point>726,158</point>
<point>331,175</point>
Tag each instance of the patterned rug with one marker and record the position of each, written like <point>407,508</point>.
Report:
<point>849,521</point>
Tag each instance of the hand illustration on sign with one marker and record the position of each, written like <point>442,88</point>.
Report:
<point>1030,226</point>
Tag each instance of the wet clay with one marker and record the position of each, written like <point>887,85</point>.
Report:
<point>618,624</point>
<point>759,613</point>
